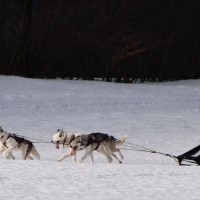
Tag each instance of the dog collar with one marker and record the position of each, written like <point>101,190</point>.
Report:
<point>69,141</point>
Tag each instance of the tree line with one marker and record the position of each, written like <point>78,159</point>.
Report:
<point>112,40</point>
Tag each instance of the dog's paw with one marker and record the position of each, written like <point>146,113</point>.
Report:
<point>6,156</point>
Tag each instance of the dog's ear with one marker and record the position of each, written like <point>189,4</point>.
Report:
<point>61,133</point>
<point>58,130</point>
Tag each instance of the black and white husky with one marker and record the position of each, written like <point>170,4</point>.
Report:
<point>66,138</point>
<point>10,142</point>
<point>98,142</point>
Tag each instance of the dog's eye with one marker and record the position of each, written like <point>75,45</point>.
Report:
<point>1,136</point>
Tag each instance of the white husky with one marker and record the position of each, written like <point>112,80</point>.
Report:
<point>10,142</point>
<point>66,138</point>
<point>97,141</point>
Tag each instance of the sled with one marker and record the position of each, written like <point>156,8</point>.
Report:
<point>191,156</point>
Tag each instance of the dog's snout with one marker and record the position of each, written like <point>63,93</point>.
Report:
<point>51,141</point>
<point>70,146</point>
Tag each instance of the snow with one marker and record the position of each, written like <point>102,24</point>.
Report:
<point>160,116</point>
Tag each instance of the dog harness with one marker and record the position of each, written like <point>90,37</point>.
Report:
<point>69,141</point>
<point>97,138</point>
<point>19,140</point>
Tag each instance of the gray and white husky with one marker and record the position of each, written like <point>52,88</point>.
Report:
<point>66,138</point>
<point>98,142</point>
<point>10,142</point>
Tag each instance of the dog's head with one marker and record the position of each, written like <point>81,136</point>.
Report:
<point>78,143</point>
<point>58,138</point>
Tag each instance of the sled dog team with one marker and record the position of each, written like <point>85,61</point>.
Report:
<point>100,142</point>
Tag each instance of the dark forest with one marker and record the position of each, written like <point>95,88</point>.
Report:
<point>112,40</point>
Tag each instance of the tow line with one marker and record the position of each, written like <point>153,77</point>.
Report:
<point>133,147</point>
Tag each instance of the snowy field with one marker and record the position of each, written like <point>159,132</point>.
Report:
<point>160,116</point>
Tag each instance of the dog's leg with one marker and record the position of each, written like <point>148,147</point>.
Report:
<point>24,155</point>
<point>64,156</point>
<point>10,155</point>
<point>111,146</point>
<point>108,157</point>
<point>120,154</point>
<point>74,158</point>
<point>34,153</point>
<point>117,150</point>
<point>29,157</point>
<point>91,157</point>
<point>2,148</point>
<point>88,152</point>
<point>26,150</point>
<point>85,156</point>
<point>7,153</point>
<point>11,144</point>
<point>112,154</point>
<point>107,149</point>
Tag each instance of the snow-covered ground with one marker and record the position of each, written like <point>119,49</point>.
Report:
<point>161,116</point>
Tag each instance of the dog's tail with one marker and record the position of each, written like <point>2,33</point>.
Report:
<point>35,153</point>
<point>120,142</point>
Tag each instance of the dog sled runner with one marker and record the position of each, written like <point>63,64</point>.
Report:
<point>192,156</point>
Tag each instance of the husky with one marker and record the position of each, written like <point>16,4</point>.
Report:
<point>97,141</point>
<point>66,138</point>
<point>10,142</point>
